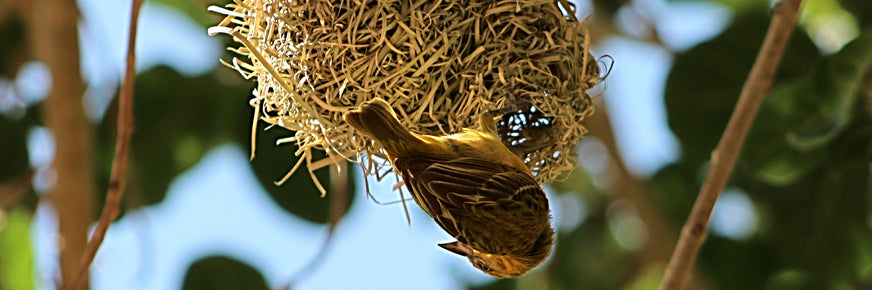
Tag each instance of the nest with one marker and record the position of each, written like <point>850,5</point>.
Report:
<point>439,63</point>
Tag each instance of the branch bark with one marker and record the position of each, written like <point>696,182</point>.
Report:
<point>54,37</point>
<point>115,190</point>
<point>727,151</point>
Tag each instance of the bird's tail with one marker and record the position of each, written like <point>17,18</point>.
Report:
<point>376,119</point>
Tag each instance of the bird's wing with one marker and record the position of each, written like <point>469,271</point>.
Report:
<point>491,207</point>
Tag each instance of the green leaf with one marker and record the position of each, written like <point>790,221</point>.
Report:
<point>177,120</point>
<point>705,82</point>
<point>675,188</point>
<point>579,182</point>
<point>16,252</point>
<point>825,211</point>
<point>14,46</point>
<point>802,117</point>
<point>13,147</point>
<point>592,260</point>
<point>807,230</point>
<point>219,272</point>
<point>862,10</point>
<point>767,155</point>
<point>837,81</point>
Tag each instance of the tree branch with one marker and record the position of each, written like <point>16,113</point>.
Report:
<point>727,151</point>
<point>112,205</point>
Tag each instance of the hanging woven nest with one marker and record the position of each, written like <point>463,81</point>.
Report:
<point>439,63</point>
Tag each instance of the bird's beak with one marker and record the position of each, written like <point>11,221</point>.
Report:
<point>457,248</point>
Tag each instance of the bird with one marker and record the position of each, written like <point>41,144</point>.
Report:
<point>473,187</point>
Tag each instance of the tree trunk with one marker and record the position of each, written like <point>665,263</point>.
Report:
<point>54,35</point>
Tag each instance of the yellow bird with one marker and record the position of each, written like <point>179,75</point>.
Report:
<point>472,186</point>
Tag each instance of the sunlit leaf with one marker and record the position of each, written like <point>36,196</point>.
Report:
<point>828,24</point>
<point>16,252</point>
<point>649,278</point>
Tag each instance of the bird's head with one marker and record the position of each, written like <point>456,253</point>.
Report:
<point>499,266</point>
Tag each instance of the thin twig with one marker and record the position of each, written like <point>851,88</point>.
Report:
<point>725,154</point>
<point>111,208</point>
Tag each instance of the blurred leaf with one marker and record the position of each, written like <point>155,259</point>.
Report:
<point>825,211</point>
<point>789,279</point>
<point>864,258</point>
<point>13,148</point>
<point>705,82</point>
<point>578,182</point>
<point>16,253</point>
<point>862,10</point>
<point>218,272</point>
<point>808,229</point>
<point>675,188</point>
<point>592,260</point>
<point>14,45</point>
<point>800,117</point>
<point>767,154</point>
<point>649,278</point>
<point>746,264</point>
<point>828,24</point>
<point>298,194</point>
<point>838,80</point>
<point>812,201</point>
<point>178,119</point>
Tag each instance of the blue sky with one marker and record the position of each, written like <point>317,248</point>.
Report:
<point>218,207</point>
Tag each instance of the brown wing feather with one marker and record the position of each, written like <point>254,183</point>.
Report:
<point>491,207</point>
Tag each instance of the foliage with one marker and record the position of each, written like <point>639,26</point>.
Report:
<point>16,267</point>
<point>219,272</point>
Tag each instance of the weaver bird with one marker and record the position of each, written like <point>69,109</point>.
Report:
<point>472,186</point>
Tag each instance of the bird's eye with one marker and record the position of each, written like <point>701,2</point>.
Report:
<point>483,267</point>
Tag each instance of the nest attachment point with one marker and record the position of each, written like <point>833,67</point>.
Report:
<point>439,63</point>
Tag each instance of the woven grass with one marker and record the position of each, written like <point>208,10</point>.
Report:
<point>439,63</point>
